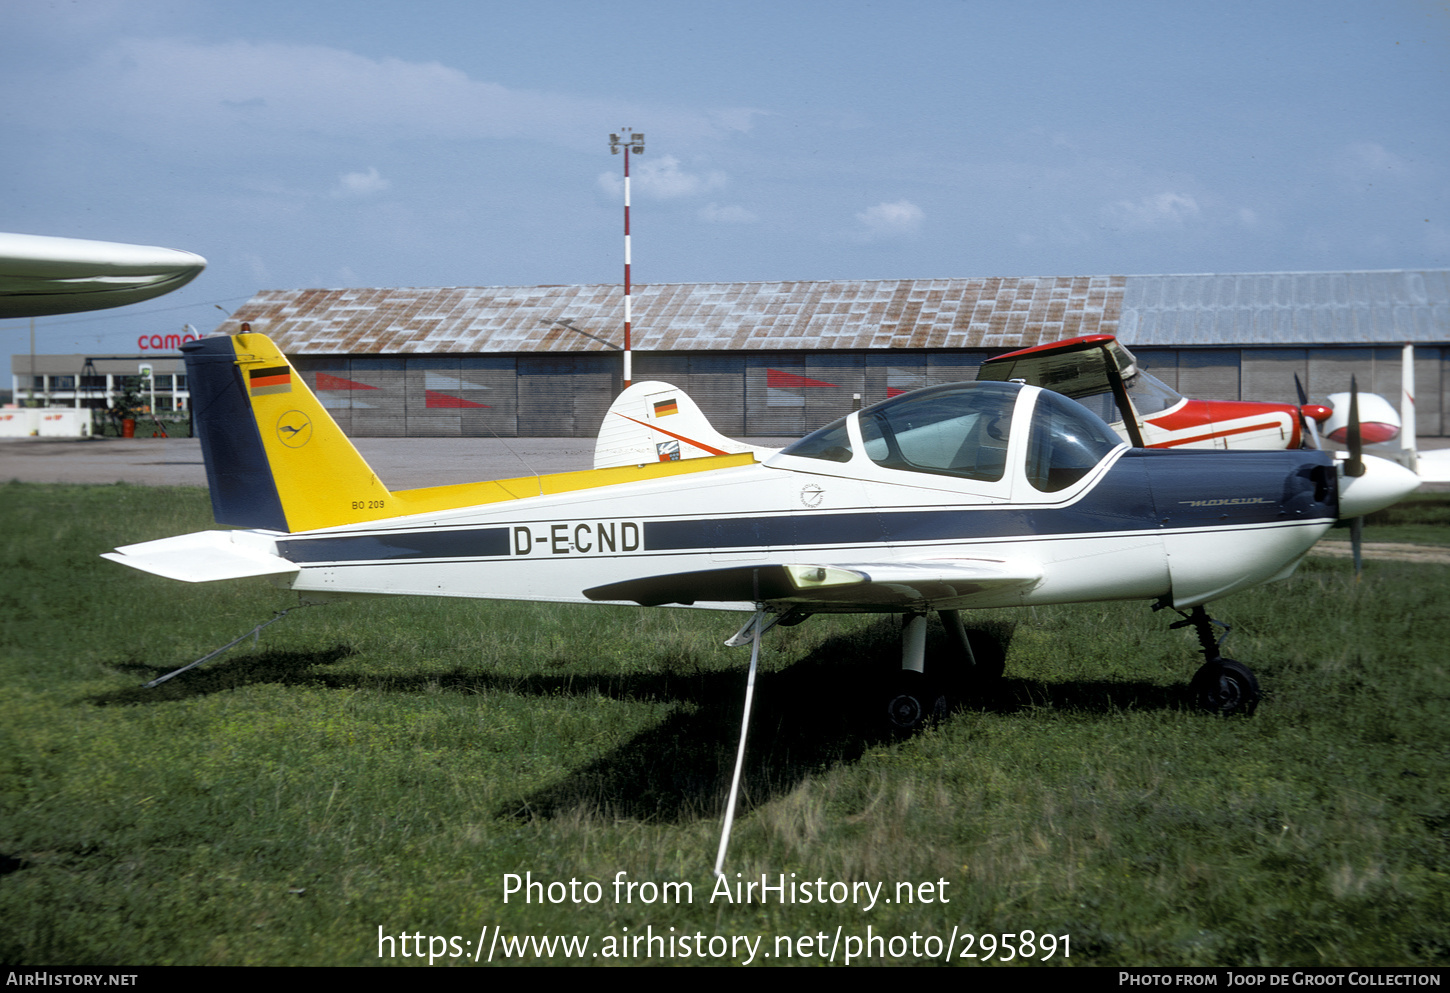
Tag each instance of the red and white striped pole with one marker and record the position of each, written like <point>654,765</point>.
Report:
<point>629,141</point>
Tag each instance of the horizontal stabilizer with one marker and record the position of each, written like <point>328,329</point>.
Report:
<point>203,557</point>
<point>888,585</point>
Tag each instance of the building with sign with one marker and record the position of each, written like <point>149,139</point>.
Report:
<point>97,381</point>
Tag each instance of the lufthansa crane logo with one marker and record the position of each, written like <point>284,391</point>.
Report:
<point>294,429</point>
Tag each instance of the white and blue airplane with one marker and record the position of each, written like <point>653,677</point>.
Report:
<point>984,494</point>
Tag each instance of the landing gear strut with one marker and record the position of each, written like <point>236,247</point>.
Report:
<point>1221,685</point>
<point>915,698</point>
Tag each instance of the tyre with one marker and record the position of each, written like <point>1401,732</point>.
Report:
<point>913,702</point>
<point>1226,687</point>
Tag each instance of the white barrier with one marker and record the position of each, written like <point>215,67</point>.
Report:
<point>45,422</point>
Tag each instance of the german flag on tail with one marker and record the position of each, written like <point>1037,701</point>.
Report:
<point>273,379</point>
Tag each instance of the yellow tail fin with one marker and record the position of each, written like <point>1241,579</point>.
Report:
<point>274,457</point>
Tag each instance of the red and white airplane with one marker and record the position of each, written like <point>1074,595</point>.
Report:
<point>1098,372</point>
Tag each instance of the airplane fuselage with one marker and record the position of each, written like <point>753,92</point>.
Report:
<point>1183,525</point>
<point>1223,424</point>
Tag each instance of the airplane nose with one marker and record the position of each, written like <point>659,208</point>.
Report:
<point>1383,483</point>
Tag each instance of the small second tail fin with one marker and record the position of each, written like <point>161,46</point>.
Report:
<point>657,422</point>
<point>275,458</point>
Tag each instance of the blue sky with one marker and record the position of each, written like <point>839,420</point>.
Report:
<point>311,143</point>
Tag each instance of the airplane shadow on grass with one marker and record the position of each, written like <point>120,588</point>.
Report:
<point>824,710</point>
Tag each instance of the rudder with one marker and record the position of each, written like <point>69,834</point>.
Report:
<point>657,422</point>
<point>274,457</point>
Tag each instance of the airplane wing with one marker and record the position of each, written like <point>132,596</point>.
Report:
<point>1434,466</point>
<point>201,558</point>
<point>887,585</point>
<point>40,275</point>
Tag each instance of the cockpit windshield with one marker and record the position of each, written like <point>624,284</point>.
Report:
<point>958,430</point>
<point>1150,394</point>
<point>963,430</point>
<point>1066,441</point>
<point>831,443</point>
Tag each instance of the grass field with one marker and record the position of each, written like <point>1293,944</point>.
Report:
<point>382,767</point>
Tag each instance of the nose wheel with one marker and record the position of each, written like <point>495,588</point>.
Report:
<point>1225,687</point>
<point>1220,686</point>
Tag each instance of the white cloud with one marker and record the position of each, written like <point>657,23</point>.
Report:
<point>891,220</point>
<point>662,179</point>
<point>733,214</point>
<point>738,118</point>
<point>1369,162</point>
<point>360,184</point>
<point>257,266</point>
<point>216,95</point>
<point>1154,212</point>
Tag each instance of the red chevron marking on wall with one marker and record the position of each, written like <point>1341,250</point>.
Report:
<point>436,400</point>
<point>327,381</point>
<point>776,379</point>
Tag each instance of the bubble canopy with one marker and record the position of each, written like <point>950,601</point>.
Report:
<point>965,430</point>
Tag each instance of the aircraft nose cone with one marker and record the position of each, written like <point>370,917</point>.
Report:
<point>1383,483</point>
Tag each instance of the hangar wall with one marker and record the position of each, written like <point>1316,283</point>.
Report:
<point>752,395</point>
<point>783,394</point>
<point>779,359</point>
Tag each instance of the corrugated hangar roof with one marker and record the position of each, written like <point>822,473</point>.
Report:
<point>834,314</point>
<point>992,313</point>
<point>1288,308</point>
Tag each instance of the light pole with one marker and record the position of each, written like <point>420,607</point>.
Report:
<point>630,141</point>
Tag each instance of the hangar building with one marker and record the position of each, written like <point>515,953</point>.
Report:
<point>782,358</point>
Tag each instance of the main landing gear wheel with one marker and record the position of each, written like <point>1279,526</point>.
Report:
<point>913,703</point>
<point>1226,687</point>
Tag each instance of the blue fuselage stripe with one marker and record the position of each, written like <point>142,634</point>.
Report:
<point>394,546</point>
<point>1143,491</point>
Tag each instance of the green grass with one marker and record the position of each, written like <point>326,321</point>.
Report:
<point>385,763</point>
<point>1421,518</point>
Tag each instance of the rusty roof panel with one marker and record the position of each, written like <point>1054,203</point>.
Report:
<point>841,314</point>
<point>1211,309</point>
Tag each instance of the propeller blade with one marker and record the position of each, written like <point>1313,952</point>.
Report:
<point>1355,465</point>
<point>1355,468</point>
<point>1308,427</point>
